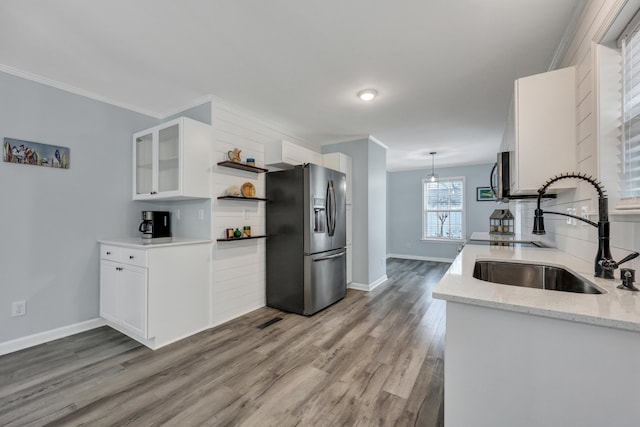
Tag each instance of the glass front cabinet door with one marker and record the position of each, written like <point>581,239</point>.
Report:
<point>172,161</point>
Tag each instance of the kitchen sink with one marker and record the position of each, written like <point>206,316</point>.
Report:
<point>539,276</point>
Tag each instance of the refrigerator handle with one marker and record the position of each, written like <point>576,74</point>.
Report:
<point>338,255</point>
<point>331,208</point>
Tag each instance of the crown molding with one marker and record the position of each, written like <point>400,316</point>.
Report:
<point>76,90</point>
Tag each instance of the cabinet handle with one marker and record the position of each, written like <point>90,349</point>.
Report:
<point>154,192</point>
<point>108,253</point>
<point>130,256</point>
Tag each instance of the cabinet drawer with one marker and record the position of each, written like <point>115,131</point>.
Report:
<point>111,253</point>
<point>134,257</point>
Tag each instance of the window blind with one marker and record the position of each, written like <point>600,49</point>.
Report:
<point>630,176</point>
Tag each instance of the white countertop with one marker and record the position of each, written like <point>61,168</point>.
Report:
<point>484,236</point>
<point>140,243</point>
<point>616,308</point>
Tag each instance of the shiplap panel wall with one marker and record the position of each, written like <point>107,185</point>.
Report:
<point>238,276</point>
<point>575,237</point>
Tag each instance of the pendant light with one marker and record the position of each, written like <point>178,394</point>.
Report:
<point>433,176</point>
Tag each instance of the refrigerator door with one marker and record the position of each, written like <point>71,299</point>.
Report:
<point>325,280</point>
<point>339,209</point>
<point>317,207</point>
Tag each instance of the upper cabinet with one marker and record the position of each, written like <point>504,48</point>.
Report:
<point>172,161</point>
<point>342,163</point>
<point>285,155</point>
<point>541,130</point>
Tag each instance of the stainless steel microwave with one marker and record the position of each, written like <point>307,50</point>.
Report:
<point>500,180</point>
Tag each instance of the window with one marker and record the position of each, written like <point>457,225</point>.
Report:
<point>630,177</point>
<point>443,209</point>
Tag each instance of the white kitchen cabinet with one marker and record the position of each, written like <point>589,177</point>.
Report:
<point>343,163</point>
<point>541,130</point>
<point>172,161</point>
<point>284,155</point>
<point>123,296</point>
<point>155,293</point>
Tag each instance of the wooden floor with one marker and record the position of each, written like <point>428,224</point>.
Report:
<point>372,359</point>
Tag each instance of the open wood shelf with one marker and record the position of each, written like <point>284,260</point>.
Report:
<point>242,166</point>
<point>242,198</point>
<point>240,238</point>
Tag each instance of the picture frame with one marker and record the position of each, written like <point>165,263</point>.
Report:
<point>35,153</point>
<point>484,194</point>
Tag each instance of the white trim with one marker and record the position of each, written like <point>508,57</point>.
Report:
<point>46,336</point>
<point>377,141</point>
<point>369,287</point>
<point>76,90</point>
<point>420,258</point>
<point>195,103</point>
<point>442,240</point>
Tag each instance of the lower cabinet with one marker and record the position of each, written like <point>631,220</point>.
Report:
<point>124,297</point>
<point>156,295</point>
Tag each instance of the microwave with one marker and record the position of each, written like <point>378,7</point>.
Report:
<point>500,180</point>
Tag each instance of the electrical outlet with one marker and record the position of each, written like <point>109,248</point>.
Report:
<point>18,308</point>
<point>178,214</point>
<point>200,214</point>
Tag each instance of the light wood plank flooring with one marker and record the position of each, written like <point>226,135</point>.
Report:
<point>372,359</point>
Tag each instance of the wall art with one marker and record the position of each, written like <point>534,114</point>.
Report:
<point>35,153</point>
<point>484,194</point>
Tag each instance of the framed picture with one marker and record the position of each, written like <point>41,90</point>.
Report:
<point>35,153</point>
<point>484,194</point>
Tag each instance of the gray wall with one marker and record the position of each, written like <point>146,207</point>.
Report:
<point>404,210</point>
<point>52,218</point>
<point>369,210</point>
<point>377,248</point>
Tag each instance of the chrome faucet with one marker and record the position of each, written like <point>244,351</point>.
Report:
<point>604,265</point>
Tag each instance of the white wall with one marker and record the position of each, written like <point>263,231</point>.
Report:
<point>579,239</point>
<point>238,282</point>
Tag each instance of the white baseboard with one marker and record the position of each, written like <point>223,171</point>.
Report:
<point>44,337</point>
<point>369,287</point>
<point>420,258</point>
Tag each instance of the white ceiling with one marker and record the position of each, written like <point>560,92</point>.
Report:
<point>444,69</point>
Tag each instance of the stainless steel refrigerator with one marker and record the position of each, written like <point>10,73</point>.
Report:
<point>306,229</point>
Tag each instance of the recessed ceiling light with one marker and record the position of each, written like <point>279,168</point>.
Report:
<point>367,94</point>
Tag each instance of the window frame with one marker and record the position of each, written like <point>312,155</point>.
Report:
<point>425,210</point>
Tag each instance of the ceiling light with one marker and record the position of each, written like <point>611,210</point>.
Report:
<point>367,94</point>
<point>433,176</point>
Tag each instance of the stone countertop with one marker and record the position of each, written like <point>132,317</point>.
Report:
<point>483,236</point>
<point>140,243</point>
<point>616,308</point>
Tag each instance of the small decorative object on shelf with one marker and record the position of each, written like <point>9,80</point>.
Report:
<point>247,231</point>
<point>229,233</point>
<point>501,222</point>
<point>234,155</point>
<point>251,161</point>
<point>233,190</point>
<point>237,233</point>
<point>248,190</point>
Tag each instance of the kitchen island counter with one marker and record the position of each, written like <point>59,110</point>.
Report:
<point>527,357</point>
<point>615,308</point>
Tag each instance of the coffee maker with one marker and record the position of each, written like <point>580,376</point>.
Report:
<point>155,224</point>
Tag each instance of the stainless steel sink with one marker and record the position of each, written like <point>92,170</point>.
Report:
<point>533,276</point>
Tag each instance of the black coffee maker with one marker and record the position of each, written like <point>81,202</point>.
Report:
<point>155,224</point>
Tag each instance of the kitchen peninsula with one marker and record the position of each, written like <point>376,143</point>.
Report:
<point>531,357</point>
